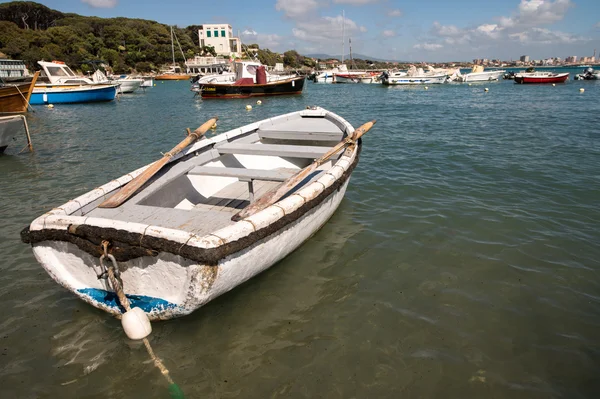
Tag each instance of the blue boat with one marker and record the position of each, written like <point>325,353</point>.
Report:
<point>72,94</point>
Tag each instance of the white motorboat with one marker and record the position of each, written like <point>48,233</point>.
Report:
<point>478,74</point>
<point>413,76</point>
<point>181,240</point>
<point>588,74</point>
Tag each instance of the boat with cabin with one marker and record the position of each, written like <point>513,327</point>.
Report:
<point>66,87</point>
<point>250,80</point>
<point>413,76</point>
<point>478,74</point>
<point>209,215</point>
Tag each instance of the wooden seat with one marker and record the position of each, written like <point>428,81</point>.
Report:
<point>242,173</point>
<point>299,136</point>
<point>274,150</point>
<point>245,175</point>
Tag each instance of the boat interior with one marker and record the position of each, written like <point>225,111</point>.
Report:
<point>200,192</point>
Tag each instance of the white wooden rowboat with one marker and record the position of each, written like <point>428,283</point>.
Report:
<point>174,240</point>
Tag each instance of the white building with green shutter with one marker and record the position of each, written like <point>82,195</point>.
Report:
<point>220,36</point>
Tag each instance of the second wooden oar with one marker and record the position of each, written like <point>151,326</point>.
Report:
<point>275,194</point>
<point>130,188</point>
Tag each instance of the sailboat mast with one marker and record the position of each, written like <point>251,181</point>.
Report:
<point>343,33</point>
<point>172,46</point>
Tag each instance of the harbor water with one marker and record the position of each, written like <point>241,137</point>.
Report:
<point>464,261</point>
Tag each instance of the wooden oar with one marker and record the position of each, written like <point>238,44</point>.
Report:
<point>131,187</point>
<point>274,195</point>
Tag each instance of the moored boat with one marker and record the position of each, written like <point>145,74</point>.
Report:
<point>10,126</point>
<point>478,74</point>
<point>15,98</point>
<point>174,242</point>
<point>541,77</point>
<point>66,87</point>
<point>251,80</point>
<point>588,74</point>
<point>412,77</point>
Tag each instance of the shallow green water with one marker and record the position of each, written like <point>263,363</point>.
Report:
<point>463,263</point>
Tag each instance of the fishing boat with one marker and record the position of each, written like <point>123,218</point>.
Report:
<point>541,77</point>
<point>251,80</point>
<point>478,74</point>
<point>209,215</point>
<point>66,87</point>
<point>15,98</point>
<point>412,77</point>
<point>174,72</point>
<point>10,126</point>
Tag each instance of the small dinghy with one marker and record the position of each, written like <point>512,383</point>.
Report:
<point>206,217</point>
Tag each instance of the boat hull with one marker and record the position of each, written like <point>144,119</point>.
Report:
<point>79,94</point>
<point>129,85</point>
<point>180,285</point>
<point>225,91</point>
<point>172,77</point>
<point>15,99</point>
<point>560,78</point>
<point>414,80</point>
<point>10,126</point>
<point>482,76</point>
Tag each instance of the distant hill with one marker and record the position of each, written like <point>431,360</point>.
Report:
<point>347,57</point>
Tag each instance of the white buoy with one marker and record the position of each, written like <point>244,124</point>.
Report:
<point>248,107</point>
<point>136,324</point>
<point>486,89</point>
<point>50,105</point>
<point>259,102</point>
<point>581,90</point>
<point>553,84</point>
<point>470,84</point>
<point>426,88</point>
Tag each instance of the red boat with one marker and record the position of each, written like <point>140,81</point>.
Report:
<point>541,77</point>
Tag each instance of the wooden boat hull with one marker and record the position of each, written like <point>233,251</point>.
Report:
<point>171,272</point>
<point>172,77</point>
<point>225,91</point>
<point>69,95</point>
<point>15,99</point>
<point>558,78</point>
<point>10,126</point>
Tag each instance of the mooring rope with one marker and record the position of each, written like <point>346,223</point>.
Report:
<point>24,98</point>
<point>174,389</point>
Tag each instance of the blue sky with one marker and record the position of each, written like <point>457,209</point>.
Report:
<point>433,30</point>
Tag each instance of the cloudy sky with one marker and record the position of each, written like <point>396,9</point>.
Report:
<point>433,30</point>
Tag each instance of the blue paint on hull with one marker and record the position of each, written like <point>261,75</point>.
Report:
<point>79,95</point>
<point>146,303</point>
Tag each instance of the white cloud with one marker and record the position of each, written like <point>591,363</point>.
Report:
<point>296,8</point>
<point>428,46</point>
<point>597,26</point>
<point>264,40</point>
<point>325,29</point>
<point>531,13</point>
<point>388,33</point>
<point>394,13</point>
<point>249,32</point>
<point>101,3</point>
<point>524,26</point>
